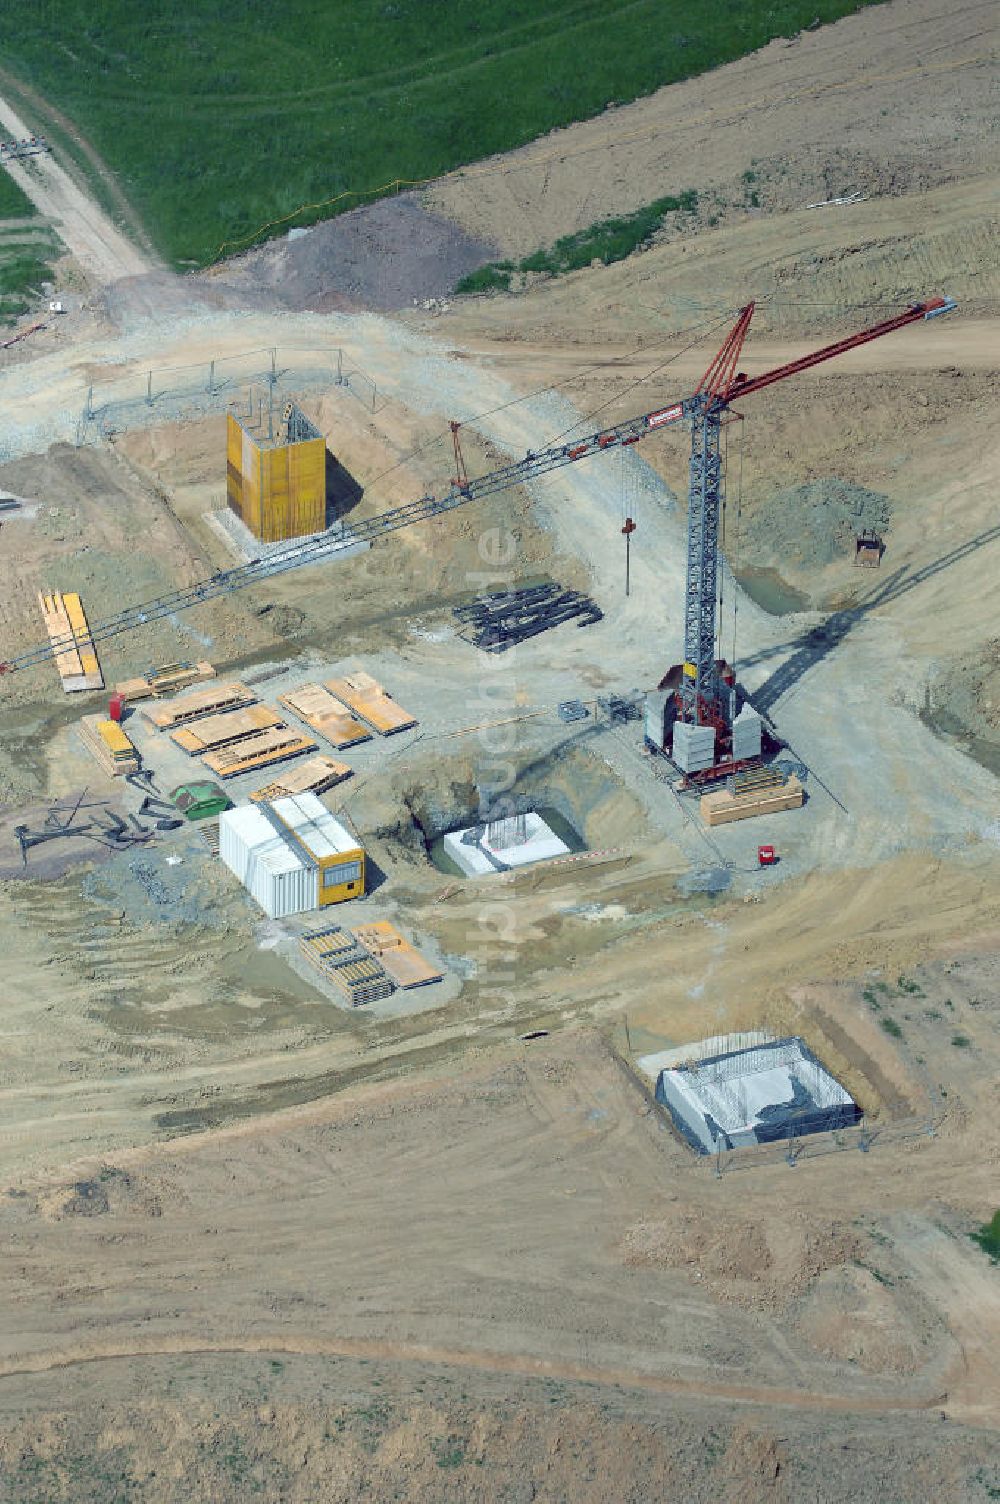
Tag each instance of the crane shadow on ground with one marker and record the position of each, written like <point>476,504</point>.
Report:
<point>811,647</point>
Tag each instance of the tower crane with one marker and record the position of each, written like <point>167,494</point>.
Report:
<point>705,696</point>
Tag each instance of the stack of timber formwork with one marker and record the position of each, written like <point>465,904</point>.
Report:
<point>366,699</point>
<point>247,753</point>
<point>204,702</point>
<point>339,958</point>
<point>314,776</point>
<point>69,631</point>
<point>325,715</point>
<point>164,681</point>
<point>110,745</point>
<point>216,730</point>
<point>404,963</point>
<point>742,804</point>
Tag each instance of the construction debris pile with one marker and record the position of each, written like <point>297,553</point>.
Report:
<point>96,822</point>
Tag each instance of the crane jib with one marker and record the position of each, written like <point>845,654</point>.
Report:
<point>315,550</point>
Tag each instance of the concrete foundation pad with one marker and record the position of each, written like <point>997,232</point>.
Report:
<point>473,854</point>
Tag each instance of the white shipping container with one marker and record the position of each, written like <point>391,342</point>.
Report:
<point>310,820</point>
<point>271,867</point>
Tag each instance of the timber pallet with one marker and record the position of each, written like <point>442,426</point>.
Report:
<point>253,752</point>
<point>157,682</point>
<point>756,780</point>
<point>209,831</point>
<point>337,956</point>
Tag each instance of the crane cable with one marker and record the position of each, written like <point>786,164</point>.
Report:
<point>707,326</point>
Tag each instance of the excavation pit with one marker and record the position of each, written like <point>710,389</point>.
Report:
<point>773,1090</point>
<point>419,812</point>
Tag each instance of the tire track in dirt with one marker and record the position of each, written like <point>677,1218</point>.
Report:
<point>516,1365</point>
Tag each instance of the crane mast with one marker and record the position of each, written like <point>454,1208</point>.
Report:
<point>699,693</point>
<point>703,699</point>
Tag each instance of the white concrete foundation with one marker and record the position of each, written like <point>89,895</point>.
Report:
<point>473,854</point>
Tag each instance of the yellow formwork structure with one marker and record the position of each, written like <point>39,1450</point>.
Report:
<point>277,489</point>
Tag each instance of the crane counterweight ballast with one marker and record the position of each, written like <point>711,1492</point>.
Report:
<point>705,695</point>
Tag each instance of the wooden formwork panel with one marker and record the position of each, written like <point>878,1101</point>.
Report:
<point>404,963</point>
<point>325,714</point>
<point>66,623</point>
<point>722,806</point>
<point>204,702</point>
<point>314,776</point>
<point>292,490</point>
<point>111,746</point>
<point>253,752</point>
<point>365,698</point>
<point>216,730</point>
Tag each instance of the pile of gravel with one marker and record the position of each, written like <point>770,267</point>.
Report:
<point>388,254</point>
<point>813,524</point>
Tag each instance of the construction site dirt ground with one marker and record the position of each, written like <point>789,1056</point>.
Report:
<point>261,1245</point>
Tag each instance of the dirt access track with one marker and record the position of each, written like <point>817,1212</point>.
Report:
<point>89,235</point>
<point>260,1246</point>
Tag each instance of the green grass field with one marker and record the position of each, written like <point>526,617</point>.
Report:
<point>26,250</point>
<point>988,1237</point>
<point>23,269</point>
<point>13,204</point>
<point>220,115</point>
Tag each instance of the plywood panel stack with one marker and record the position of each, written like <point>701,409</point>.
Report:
<point>194,707</point>
<point>314,776</point>
<point>401,960</point>
<point>325,715</point>
<point>257,751</point>
<point>66,624</point>
<point>217,730</point>
<point>366,699</point>
<point>111,746</point>
<point>723,806</point>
